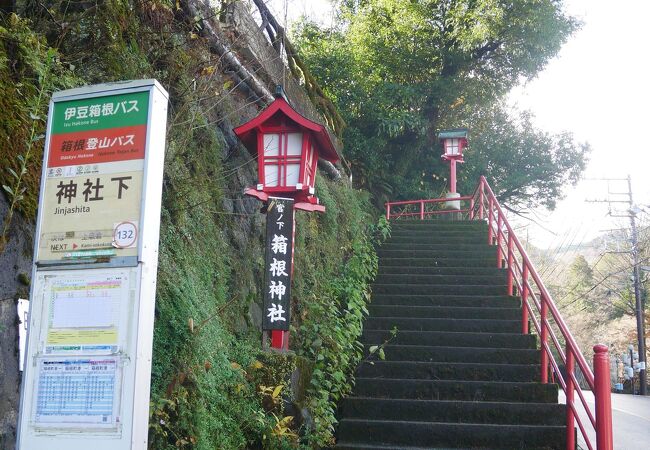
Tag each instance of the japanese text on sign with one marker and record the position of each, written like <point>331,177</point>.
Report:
<point>279,238</point>
<point>94,177</point>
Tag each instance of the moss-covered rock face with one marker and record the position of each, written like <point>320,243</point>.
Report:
<point>30,71</point>
<point>212,386</point>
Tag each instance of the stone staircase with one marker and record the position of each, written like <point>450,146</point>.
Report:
<point>459,373</point>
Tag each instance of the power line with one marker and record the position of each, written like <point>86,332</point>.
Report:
<point>570,244</point>
<point>631,213</point>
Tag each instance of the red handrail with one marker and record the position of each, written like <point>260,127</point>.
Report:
<point>539,309</point>
<point>422,213</point>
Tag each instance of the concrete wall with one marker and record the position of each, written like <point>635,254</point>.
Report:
<point>254,47</point>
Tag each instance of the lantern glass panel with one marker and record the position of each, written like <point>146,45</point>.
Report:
<point>293,174</point>
<point>452,146</point>
<point>271,175</point>
<point>294,144</point>
<point>271,144</point>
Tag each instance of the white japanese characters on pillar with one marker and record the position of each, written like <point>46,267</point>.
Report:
<point>279,260</point>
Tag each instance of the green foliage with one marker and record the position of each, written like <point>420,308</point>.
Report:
<point>581,272</point>
<point>333,306</point>
<point>29,71</point>
<point>401,70</point>
<point>581,293</point>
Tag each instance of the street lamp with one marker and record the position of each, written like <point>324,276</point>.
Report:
<point>453,142</point>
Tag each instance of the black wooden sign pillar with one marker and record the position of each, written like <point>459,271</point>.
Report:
<point>278,268</point>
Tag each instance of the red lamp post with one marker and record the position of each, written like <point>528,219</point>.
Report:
<point>453,143</point>
<point>287,146</point>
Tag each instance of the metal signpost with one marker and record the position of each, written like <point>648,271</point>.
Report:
<point>22,308</point>
<point>88,358</point>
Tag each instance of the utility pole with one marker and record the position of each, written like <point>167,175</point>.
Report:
<point>638,299</point>
<point>636,277</point>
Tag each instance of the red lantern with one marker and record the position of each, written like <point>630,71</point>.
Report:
<point>287,146</point>
<point>453,143</point>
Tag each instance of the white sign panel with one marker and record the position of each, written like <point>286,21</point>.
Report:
<point>87,367</point>
<point>23,317</point>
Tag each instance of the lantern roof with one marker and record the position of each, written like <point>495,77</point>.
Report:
<point>247,132</point>
<point>455,133</point>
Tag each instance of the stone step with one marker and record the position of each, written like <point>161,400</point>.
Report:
<point>435,247</point>
<point>470,371</point>
<point>477,391</point>
<point>460,354</point>
<point>409,237</point>
<point>459,325</point>
<point>489,301</point>
<point>488,252</point>
<point>431,261</point>
<point>357,446</point>
<point>470,279</point>
<point>436,270</point>
<point>454,411</point>
<point>454,289</point>
<point>450,338</point>
<point>433,312</point>
<point>427,434</point>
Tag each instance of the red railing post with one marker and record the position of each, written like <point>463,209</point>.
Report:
<point>490,218</point>
<point>471,208</point>
<point>511,259</point>
<point>602,392</point>
<point>481,194</point>
<point>543,338</point>
<point>570,395</point>
<point>421,210</point>
<point>499,240</point>
<point>387,211</point>
<point>524,298</point>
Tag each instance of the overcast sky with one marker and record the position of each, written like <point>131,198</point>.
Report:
<point>598,89</point>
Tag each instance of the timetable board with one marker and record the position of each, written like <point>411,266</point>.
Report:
<point>86,312</point>
<point>77,392</point>
<point>81,342</point>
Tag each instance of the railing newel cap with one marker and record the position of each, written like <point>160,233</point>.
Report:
<point>601,348</point>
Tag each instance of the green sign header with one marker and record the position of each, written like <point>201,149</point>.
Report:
<point>99,113</point>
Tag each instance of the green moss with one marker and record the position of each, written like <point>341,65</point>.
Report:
<point>30,71</point>
<point>24,279</point>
